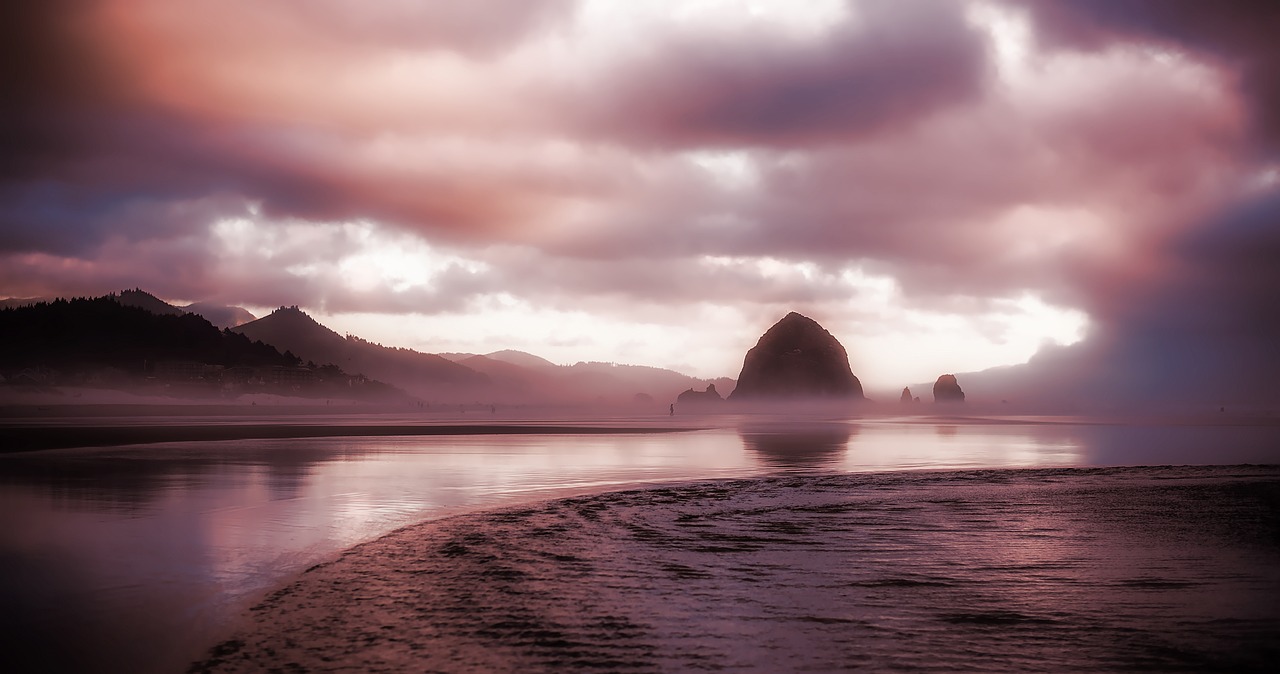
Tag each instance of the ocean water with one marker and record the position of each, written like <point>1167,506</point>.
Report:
<point>137,558</point>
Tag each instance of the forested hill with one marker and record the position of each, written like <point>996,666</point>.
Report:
<point>101,332</point>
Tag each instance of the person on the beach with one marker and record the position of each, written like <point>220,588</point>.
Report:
<point>673,409</point>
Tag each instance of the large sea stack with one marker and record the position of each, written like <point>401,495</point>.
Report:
<point>947,390</point>
<point>797,358</point>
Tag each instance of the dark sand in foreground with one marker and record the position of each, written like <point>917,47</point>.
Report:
<point>991,570</point>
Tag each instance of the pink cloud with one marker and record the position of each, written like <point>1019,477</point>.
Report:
<point>889,143</point>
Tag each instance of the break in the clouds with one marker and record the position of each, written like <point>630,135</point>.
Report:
<point>945,185</point>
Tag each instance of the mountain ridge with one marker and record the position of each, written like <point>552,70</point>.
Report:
<point>420,373</point>
<point>507,375</point>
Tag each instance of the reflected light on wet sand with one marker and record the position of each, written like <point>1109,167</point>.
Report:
<point>168,542</point>
<point>870,446</point>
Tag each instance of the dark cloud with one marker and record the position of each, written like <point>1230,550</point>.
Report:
<point>889,65</point>
<point>1205,334</point>
<point>1241,34</point>
<point>85,156</point>
<point>1204,327</point>
<point>1215,326</point>
<point>89,154</point>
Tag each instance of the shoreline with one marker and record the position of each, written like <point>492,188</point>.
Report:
<point>114,426</point>
<point>421,569</point>
<point>283,477</point>
<point>250,605</point>
<point>14,439</point>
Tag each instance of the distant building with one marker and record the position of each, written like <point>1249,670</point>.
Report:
<point>290,376</point>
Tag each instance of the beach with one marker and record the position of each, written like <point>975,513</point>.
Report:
<point>141,556</point>
<point>640,336</point>
<point>994,570</point>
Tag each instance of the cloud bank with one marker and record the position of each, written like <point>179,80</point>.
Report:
<point>914,173</point>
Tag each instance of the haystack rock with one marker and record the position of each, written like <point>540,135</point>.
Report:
<point>906,395</point>
<point>947,390</point>
<point>797,358</point>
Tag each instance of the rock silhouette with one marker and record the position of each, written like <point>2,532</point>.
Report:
<point>947,390</point>
<point>711,395</point>
<point>906,395</point>
<point>797,358</point>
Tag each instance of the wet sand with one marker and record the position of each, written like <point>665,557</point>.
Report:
<point>32,438</point>
<point>38,427</point>
<point>989,570</point>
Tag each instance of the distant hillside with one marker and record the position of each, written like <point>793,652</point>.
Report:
<point>423,374</point>
<point>497,369</point>
<point>507,376</point>
<point>511,356</point>
<point>1056,378</point>
<point>130,298</point>
<point>521,358</point>
<point>526,377</point>
<point>220,315</point>
<point>103,332</point>
<point>103,343</point>
<point>15,302</point>
<point>514,383</point>
<point>610,380</point>
<point>144,300</point>
<point>529,377</point>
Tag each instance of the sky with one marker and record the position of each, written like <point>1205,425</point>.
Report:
<point>945,186</point>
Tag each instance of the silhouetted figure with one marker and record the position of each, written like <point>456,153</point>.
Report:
<point>673,409</point>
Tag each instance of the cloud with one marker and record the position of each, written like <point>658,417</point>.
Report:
<point>1204,334</point>
<point>1214,327</point>
<point>883,68</point>
<point>1238,34</point>
<point>425,159</point>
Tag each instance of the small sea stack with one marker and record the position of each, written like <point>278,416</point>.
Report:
<point>947,390</point>
<point>691,397</point>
